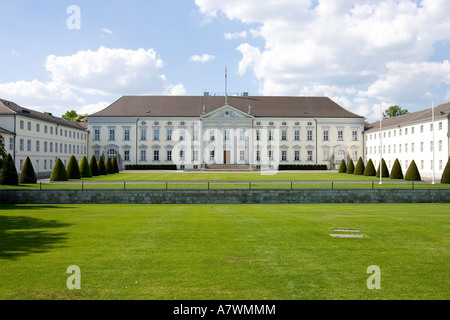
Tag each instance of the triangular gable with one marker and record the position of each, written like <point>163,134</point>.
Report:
<point>227,112</point>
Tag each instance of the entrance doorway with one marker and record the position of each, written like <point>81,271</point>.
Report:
<point>226,157</point>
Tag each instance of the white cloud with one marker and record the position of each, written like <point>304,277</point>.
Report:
<point>236,35</point>
<point>106,31</point>
<point>202,58</point>
<point>377,49</point>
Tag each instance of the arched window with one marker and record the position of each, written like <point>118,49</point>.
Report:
<point>112,153</point>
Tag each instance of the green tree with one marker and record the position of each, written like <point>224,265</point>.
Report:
<point>102,167</point>
<point>446,174</point>
<point>8,173</point>
<point>73,170</point>
<point>59,172</point>
<point>385,170</point>
<point>115,165</point>
<point>27,175</point>
<point>109,166</point>
<point>94,167</point>
<point>85,170</point>
<point>3,154</point>
<point>350,167</point>
<point>396,172</point>
<point>73,116</point>
<point>343,167</point>
<point>394,111</point>
<point>370,169</point>
<point>359,169</point>
<point>413,174</point>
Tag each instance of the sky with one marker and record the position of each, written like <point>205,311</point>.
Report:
<point>366,55</point>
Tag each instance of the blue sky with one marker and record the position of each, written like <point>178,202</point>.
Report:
<point>358,53</point>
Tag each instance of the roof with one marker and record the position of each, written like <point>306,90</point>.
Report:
<point>192,106</point>
<point>4,131</point>
<point>11,108</point>
<point>442,110</point>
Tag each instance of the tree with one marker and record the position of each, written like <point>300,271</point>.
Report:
<point>94,167</point>
<point>2,151</point>
<point>85,170</point>
<point>385,170</point>
<point>115,165</point>
<point>413,174</point>
<point>8,173</point>
<point>73,170</point>
<point>370,169</point>
<point>396,172</point>
<point>73,116</point>
<point>394,111</point>
<point>350,167</point>
<point>446,174</point>
<point>59,172</point>
<point>27,175</point>
<point>359,169</point>
<point>343,167</point>
<point>109,166</point>
<point>102,167</point>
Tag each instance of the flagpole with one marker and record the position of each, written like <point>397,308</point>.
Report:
<point>381,145</point>
<point>226,85</point>
<point>434,144</point>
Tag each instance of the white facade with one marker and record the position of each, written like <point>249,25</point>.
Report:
<point>226,135</point>
<point>421,140</point>
<point>44,141</point>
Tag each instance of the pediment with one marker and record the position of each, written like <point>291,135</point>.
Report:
<point>227,112</point>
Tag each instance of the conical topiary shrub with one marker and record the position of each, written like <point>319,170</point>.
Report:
<point>350,167</point>
<point>94,167</point>
<point>343,167</point>
<point>59,172</point>
<point>109,166</point>
<point>8,174</point>
<point>370,169</point>
<point>396,172</point>
<point>102,167</point>
<point>446,174</point>
<point>73,170</point>
<point>27,175</point>
<point>385,171</point>
<point>413,174</point>
<point>360,167</point>
<point>115,165</point>
<point>85,170</point>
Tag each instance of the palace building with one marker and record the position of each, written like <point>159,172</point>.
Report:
<point>254,132</point>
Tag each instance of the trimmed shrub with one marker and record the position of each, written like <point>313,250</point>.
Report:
<point>109,166</point>
<point>85,170</point>
<point>396,172</point>
<point>94,167</point>
<point>343,167</point>
<point>102,167</point>
<point>370,169</point>
<point>59,172</point>
<point>151,167</point>
<point>115,165</point>
<point>385,171</point>
<point>360,167</point>
<point>412,174</point>
<point>302,167</point>
<point>8,174</point>
<point>446,174</point>
<point>27,175</point>
<point>73,170</point>
<point>350,167</point>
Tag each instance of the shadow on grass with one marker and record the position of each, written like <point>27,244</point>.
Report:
<point>21,235</point>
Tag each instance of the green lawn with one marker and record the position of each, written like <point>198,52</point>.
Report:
<point>224,251</point>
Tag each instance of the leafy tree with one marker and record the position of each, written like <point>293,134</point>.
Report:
<point>59,172</point>
<point>115,165</point>
<point>85,170</point>
<point>73,116</point>
<point>359,169</point>
<point>385,170</point>
<point>8,173</point>
<point>109,166</point>
<point>102,167</point>
<point>94,167</point>
<point>370,169</point>
<point>3,154</point>
<point>413,174</point>
<point>73,170</point>
<point>446,174</point>
<point>350,167</point>
<point>396,172</point>
<point>27,175</point>
<point>343,167</point>
<point>394,111</point>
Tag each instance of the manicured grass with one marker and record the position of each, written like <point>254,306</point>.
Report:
<point>224,251</point>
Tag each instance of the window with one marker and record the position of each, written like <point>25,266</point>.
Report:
<point>440,164</point>
<point>325,135</point>
<point>395,148</point>
<point>283,155</point>
<point>45,164</point>
<point>212,135</point>
<point>11,143</point>
<point>182,155</point>
<point>406,147</point>
<point>195,155</point>
<point>440,125</point>
<point>440,145</point>
<point>400,148</point>
<point>155,134</point>
<point>143,155</point>
<point>182,134</point>
<point>412,147</point>
<point>21,145</point>
<point>389,148</point>
<point>257,135</point>
<point>431,127</point>
<point>126,135</point>
<point>96,134</point>
<point>29,126</point>
<point>421,147</point>
<point>21,124</point>
<point>242,155</point>
<point>242,134</point>
<point>270,155</point>
<point>310,155</point>
<point>309,135</point>
<point>421,128</point>
<point>422,164</point>
<point>431,145</point>
<point>45,146</point>
<point>65,133</point>
<point>169,155</point>
<point>155,155</point>
<point>143,134</point>
<point>65,148</point>
<point>126,155</point>
<point>112,135</point>
<point>169,135</point>
<point>45,129</point>
<point>195,135</point>
<point>97,154</point>
<point>340,135</point>
<point>29,145</point>
<point>258,155</point>
<point>70,148</point>
<point>51,164</point>
<point>21,164</point>
<point>354,135</point>
<point>211,155</point>
<point>270,134</point>
<point>412,130</point>
<point>227,134</point>
<point>284,135</point>
<point>297,155</point>
<point>400,131</point>
<point>326,154</point>
<point>297,135</point>
<point>38,146</point>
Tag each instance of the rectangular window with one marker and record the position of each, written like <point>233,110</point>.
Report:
<point>51,132</point>
<point>45,129</point>
<point>97,154</point>
<point>38,146</point>
<point>412,147</point>
<point>29,126</point>
<point>155,134</point>
<point>242,134</point>
<point>195,155</point>
<point>354,135</point>
<point>270,134</point>
<point>169,135</point>
<point>45,164</point>
<point>257,135</point>
<point>412,130</point>
<point>45,146</point>
<point>325,135</point>
<point>421,147</point>
<point>400,148</point>
<point>22,125</point>
<point>310,155</point>
<point>431,146</point>
<point>182,134</point>
<point>96,134</point>
<point>11,143</point>
<point>112,135</point>
<point>182,155</point>
<point>21,145</point>
<point>431,127</point>
<point>155,155</point>
<point>422,164</point>
<point>440,164</point>
<point>309,135</point>
<point>242,155</point>
<point>195,135</point>
<point>227,134</point>
<point>283,155</point>
<point>143,134</point>
<point>297,155</point>
<point>143,155</point>
<point>126,135</point>
<point>284,135</point>
<point>258,155</point>
<point>440,145</point>
<point>169,155</point>
<point>65,133</point>
<point>406,147</point>
<point>270,155</point>
<point>29,145</point>
<point>421,128</point>
<point>126,155</point>
<point>212,135</point>
<point>65,148</point>
<point>340,135</point>
<point>440,125</point>
<point>211,155</point>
